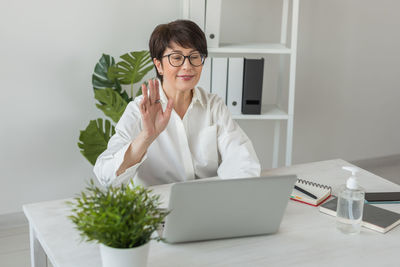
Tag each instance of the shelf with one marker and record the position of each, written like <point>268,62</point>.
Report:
<point>208,17</point>
<point>249,48</point>
<point>268,112</point>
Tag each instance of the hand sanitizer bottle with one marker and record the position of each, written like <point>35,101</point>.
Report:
<point>350,205</point>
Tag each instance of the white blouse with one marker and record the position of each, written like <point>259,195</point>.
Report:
<point>207,142</point>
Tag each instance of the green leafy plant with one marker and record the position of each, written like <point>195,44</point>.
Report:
<point>107,79</point>
<point>119,217</point>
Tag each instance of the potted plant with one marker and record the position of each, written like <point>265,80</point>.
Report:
<point>122,219</point>
<point>111,81</point>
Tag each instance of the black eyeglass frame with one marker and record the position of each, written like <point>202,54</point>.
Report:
<point>203,58</point>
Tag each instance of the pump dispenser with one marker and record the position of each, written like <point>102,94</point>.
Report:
<point>350,204</point>
<point>352,181</point>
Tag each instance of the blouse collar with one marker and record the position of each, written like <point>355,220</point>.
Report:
<point>196,95</point>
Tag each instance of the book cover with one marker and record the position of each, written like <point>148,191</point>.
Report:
<point>235,85</point>
<point>212,22</point>
<point>253,75</point>
<point>320,191</point>
<point>205,78</point>
<point>375,218</point>
<point>382,197</point>
<point>219,69</point>
<point>197,11</point>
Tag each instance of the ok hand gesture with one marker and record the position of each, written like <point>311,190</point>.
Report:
<point>154,119</point>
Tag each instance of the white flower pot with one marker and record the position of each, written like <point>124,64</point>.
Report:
<point>124,257</point>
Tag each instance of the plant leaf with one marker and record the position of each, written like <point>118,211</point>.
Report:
<point>133,67</point>
<point>119,217</point>
<point>111,103</point>
<point>100,78</point>
<point>94,139</point>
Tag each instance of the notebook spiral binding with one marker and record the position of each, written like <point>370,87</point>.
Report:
<point>306,182</point>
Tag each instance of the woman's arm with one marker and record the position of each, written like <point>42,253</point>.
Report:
<point>154,121</point>
<point>122,152</point>
<point>135,152</point>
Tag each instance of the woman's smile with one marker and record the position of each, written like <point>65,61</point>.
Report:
<point>185,77</point>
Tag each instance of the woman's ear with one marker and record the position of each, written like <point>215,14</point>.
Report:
<point>158,65</point>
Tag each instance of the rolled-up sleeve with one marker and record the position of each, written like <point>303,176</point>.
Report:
<point>238,157</point>
<point>126,130</point>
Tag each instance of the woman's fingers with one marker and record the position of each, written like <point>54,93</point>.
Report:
<point>142,106</point>
<point>152,90</point>
<point>168,109</point>
<point>153,93</point>
<point>145,94</point>
<point>157,86</point>
<point>166,115</point>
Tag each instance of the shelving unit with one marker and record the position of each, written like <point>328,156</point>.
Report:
<point>249,48</point>
<point>268,112</point>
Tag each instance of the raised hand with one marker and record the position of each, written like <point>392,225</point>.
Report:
<point>154,119</point>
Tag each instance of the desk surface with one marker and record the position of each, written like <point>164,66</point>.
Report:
<point>306,236</point>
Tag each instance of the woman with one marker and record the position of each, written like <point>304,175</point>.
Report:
<point>176,131</point>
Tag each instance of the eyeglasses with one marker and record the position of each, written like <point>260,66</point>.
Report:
<point>177,59</point>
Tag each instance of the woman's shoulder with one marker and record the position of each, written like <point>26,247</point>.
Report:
<point>214,105</point>
<point>210,99</point>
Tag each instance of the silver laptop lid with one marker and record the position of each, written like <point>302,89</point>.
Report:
<point>223,208</point>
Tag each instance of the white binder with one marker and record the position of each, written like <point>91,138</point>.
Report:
<point>219,76</point>
<point>235,85</point>
<point>197,11</point>
<point>213,11</point>
<point>205,78</point>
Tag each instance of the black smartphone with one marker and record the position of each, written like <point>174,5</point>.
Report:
<point>382,196</point>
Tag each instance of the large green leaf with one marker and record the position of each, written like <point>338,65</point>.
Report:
<point>94,139</point>
<point>102,80</point>
<point>112,104</point>
<point>133,67</point>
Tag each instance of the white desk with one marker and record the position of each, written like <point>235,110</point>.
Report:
<point>306,236</point>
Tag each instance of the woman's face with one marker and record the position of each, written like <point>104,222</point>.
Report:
<point>181,78</point>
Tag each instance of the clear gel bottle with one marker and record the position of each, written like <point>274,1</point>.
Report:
<point>350,205</point>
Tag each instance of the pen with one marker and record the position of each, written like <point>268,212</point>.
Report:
<point>305,192</point>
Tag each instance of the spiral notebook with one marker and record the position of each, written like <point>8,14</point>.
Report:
<point>320,191</point>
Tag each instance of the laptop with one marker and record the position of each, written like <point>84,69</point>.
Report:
<point>224,208</point>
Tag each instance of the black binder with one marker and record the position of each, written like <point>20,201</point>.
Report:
<point>253,74</point>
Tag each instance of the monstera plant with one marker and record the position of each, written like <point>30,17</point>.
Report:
<point>107,80</point>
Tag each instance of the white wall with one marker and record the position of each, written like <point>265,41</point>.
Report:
<point>48,52</point>
<point>348,76</point>
<point>348,86</point>
<point>346,92</point>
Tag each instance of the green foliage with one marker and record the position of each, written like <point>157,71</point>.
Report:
<point>119,217</point>
<point>132,68</point>
<point>113,105</point>
<point>94,139</point>
<point>100,79</point>
<point>113,99</point>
